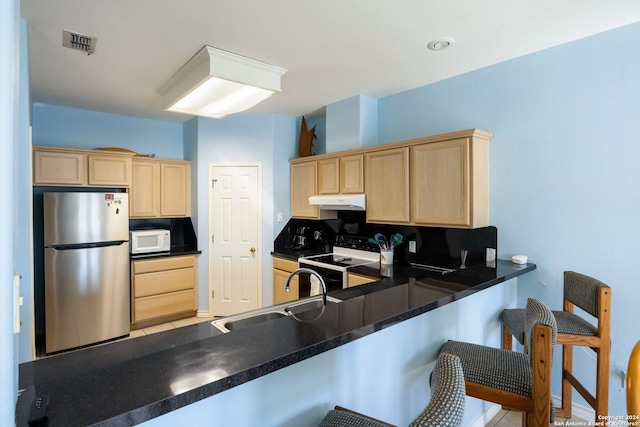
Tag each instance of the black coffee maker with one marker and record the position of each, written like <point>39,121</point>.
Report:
<point>302,238</point>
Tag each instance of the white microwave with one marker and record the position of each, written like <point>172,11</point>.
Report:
<point>148,241</point>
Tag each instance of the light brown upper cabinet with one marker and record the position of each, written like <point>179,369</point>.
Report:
<point>387,185</point>
<point>160,188</point>
<point>341,175</point>
<point>109,171</point>
<point>57,166</point>
<point>449,183</point>
<point>144,198</point>
<point>440,180</point>
<point>352,174</point>
<point>329,176</point>
<point>303,186</point>
<point>175,189</point>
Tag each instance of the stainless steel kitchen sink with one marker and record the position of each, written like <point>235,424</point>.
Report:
<point>250,318</point>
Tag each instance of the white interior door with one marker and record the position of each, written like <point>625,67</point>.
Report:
<point>235,218</point>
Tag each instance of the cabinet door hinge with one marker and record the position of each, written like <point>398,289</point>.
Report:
<point>213,239</point>
<point>213,183</point>
<point>213,293</point>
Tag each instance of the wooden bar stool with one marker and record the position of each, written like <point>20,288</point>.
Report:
<point>445,408</point>
<point>594,297</point>
<point>633,384</point>
<point>515,380</point>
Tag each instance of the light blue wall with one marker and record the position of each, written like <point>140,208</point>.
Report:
<point>285,147</point>
<point>384,375</point>
<point>23,237</point>
<point>54,125</point>
<point>10,140</point>
<point>351,123</point>
<point>564,177</point>
<point>244,138</point>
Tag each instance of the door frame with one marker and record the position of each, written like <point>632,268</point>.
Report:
<point>259,243</point>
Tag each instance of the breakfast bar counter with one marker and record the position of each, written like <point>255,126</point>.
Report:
<point>131,381</point>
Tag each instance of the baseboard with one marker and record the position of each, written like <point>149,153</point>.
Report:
<point>486,416</point>
<point>203,313</point>
<point>586,413</point>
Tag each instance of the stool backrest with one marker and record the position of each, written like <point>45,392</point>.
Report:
<point>446,406</point>
<point>537,313</point>
<point>582,291</point>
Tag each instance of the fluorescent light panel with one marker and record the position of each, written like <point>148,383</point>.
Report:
<point>216,83</point>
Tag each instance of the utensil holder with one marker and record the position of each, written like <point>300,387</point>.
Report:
<point>386,256</point>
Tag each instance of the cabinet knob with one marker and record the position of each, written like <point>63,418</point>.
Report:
<point>252,250</point>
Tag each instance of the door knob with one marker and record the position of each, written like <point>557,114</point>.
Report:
<point>252,250</point>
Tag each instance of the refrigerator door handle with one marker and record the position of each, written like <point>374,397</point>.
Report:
<point>87,245</point>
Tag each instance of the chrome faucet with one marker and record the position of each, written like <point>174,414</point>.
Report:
<point>313,273</point>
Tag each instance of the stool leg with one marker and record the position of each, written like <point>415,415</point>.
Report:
<point>567,366</point>
<point>506,338</point>
<point>602,382</point>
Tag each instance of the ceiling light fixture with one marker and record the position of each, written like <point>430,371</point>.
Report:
<point>441,43</point>
<point>216,83</point>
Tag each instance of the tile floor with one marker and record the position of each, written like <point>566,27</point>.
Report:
<point>514,419</point>
<point>502,419</point>
<point>170,325</point>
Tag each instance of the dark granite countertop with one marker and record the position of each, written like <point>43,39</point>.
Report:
<point>131,381</point>
<point>175,251</point>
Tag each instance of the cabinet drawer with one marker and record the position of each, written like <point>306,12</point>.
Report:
<point>163,305</point>
<point>285,264</point>
<point>163,281</point>
<point>162,264</point>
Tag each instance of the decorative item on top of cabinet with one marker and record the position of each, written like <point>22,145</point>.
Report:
<point>305,142</point>
<point>387,185</point>
<point>282,269</point>
<point>163,289</point>
<point>160,188</point>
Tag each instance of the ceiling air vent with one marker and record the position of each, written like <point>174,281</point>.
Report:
<point>77,41</point>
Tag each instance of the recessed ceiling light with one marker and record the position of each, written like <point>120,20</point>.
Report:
<point>441,43</point>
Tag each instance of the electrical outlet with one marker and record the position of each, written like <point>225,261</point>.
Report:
<point>412,246</point>
<point>279,216</point>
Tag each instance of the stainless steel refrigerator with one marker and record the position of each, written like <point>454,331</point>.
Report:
<point>86,268</point>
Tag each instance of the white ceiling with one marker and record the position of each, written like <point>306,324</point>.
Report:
<point>332,49</point>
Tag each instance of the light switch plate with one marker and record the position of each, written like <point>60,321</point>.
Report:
<point>412,246</point>
<point>279,216</point>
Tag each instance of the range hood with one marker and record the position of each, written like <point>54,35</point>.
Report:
<point>339,202</point>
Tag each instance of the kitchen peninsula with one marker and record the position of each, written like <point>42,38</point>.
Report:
<point>170,374</point>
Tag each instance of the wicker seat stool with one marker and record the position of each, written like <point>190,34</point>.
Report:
<point>594,297</point>
<point>445,408</point>
<point>515,380</point>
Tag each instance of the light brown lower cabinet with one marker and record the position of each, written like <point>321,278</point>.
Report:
<point>357,280</point>
<point>282,269</point>
<point>163,289</point>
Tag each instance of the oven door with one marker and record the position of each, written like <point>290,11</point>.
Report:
<point>332,278</point>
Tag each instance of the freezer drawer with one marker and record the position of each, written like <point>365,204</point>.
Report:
<point>87,296</point>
